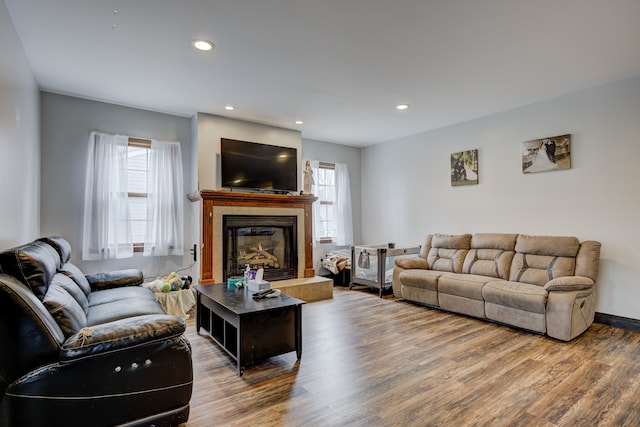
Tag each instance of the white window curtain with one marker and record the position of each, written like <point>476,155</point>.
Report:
<point>342,213</point>
<point>315,208</point>
<point>344,220</point>
<point>107,222</point>
<point>165,224</point>
<point>106,214</point>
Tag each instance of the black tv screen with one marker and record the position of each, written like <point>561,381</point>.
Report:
<point>249,165</point>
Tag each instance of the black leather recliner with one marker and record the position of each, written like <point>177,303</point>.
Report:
<point>80,350</point>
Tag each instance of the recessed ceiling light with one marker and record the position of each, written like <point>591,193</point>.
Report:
<point>402,106</point>
<point>229,108</point>
<point>202,44</point>
<point>299,122</point>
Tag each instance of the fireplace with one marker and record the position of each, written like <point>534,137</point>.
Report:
<point>260,241</point>
<point>217,204</point>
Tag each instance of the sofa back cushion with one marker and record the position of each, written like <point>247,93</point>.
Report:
<point>539,259</point>
<point>424,249</point>
<point>77,276</point>
<point>64,308</point>
<point>34,264</point>
<point>490,255</point>
<point>588,260</point>
<point>64,251</point>
<point>72,289</point>
<point>447,252</point>
<point>60,245</point>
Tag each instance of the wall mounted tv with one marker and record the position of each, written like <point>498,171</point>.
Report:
<point>253,166</point>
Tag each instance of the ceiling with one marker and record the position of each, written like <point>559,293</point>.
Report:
<point>341,66</point>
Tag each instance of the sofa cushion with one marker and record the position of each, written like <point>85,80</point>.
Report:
<point>424,250</point>
<point>540,269</point>
<point>522,296</point>
<point>66,311</point>
<point>451,241</point>
<point>63,248</point>
<point>540,259</point>
<point>120,309</point>
<point>502,241</point>
<point>560,246</point>
<point>77,276</point>
<point>73,289</point>
<point>490,255</point>
<point>447,252</point>
<point>115,279</point>
<point>425,279</point>
<point>494,263</point>
<point>60,245</point>
<point>408,262</point>
<point>34,264</point>
<point>588,260</point>
<point>463,285</point>
<point>139,293</point>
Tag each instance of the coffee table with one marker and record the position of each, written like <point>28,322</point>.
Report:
<point>249,329</point>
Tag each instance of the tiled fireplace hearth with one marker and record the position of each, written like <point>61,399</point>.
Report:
<point>220,207</point>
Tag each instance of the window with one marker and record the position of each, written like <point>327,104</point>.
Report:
<point>133,198</point>
<point>325,184</point>
<point>137,177</point>
<point>332,221</point>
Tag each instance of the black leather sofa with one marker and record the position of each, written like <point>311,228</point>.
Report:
<point>94,350</point>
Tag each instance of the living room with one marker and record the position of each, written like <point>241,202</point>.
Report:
<point>401,187</point>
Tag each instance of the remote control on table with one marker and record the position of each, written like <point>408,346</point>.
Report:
<point>263,293</point>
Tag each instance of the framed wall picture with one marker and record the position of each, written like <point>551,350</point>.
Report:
<point>546,154</point>
<point>464,168</point>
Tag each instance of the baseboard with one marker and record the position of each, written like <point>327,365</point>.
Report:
<point>618,321</point>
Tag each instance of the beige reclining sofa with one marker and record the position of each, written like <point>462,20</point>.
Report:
<point>543,284</point>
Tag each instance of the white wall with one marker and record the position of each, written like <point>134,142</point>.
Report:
<point>19,140</point>
<point>212,128</point>
<point>407,191</point>
<point>66,124</point>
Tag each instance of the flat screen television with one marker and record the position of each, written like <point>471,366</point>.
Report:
<point>249,165</point>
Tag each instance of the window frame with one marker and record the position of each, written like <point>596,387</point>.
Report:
<point>329,166</point>
<point>138,247</point>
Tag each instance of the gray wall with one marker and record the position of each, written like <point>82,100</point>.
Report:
<point>66,123</point>
<point>328,152</point>
<point>407,191</point>
<point>19,140</point>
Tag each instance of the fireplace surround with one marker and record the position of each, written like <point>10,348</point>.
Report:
<point>260,241</point>
<point>217,204</point>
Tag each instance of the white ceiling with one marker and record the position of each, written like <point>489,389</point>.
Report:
<point>339,65</point>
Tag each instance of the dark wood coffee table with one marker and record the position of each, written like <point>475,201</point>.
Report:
<point>249,329</point>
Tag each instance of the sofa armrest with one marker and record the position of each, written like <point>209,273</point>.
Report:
<point>412,263</point>
<point>115,279</point>
<point>121,334</point>
<point>569,283</point>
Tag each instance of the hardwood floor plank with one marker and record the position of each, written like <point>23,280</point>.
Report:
<point>370,361</point>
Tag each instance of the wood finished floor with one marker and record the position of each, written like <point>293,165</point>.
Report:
<point>368,361</point>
